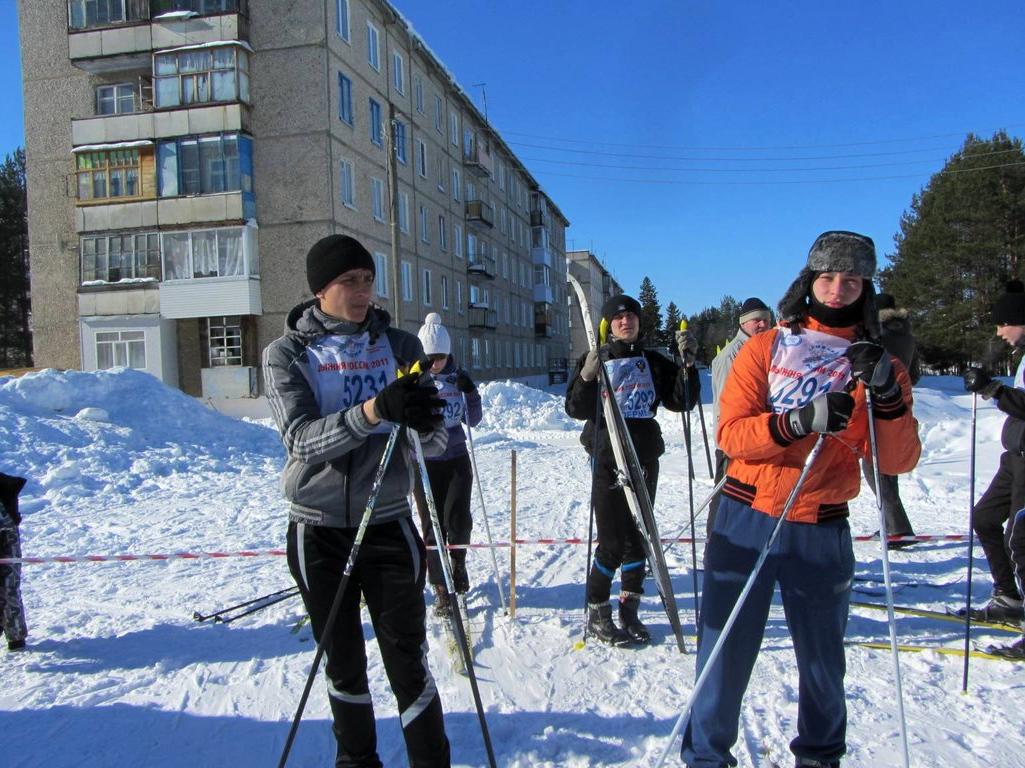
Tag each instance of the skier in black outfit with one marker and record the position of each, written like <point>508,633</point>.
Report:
<point>335,394</point>
<point>1006,492</point>
<point>642,380</point>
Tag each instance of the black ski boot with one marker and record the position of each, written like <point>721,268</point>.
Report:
<point>1003,607</point>
<point>629,602</point>
<point>442,602</point>
<point>601,627</point>
<point>460,578</point>
<point>807,762</point>
<point>1014,651</point>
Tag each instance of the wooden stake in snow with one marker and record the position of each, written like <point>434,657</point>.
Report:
<point>512,540</point>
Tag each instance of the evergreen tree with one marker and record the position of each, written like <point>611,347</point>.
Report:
<point>673,318</point>
<point>651,313</point>
<point>15,331</point>
<point>714,327</point>
<point>961,240</point>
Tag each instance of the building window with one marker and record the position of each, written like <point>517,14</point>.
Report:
<point>400,141</point>
<point>444,291</point>
<point>116,99</point>
<point>199,7</point>
<point>418,93</point>
<point>203,253</point>
<point>342,26</point>
<point>108,175</point>
<point>348,184</point>
<point>224,341</point>
<point>120,348</point>
<point>375,123</point>
<point>421,158</point>
<point>204,166</point>
<point>475,352</point>
<point>459,296</point>
<point>442,233</point>
<point>427,287</point>
<point>441,172</point>
<point>110,258</point>
<point>425,226</point>
<point>457,185</point>
<point>453,128</point>
<point>501,175</point>
<point>83,14</point>
<point>457,235</point>
<point>398,75</point>
<point>381,275</point>
<point>373,50</point>
<point>377,188</point>
<point>404,212</point>
<point>199,75</point>
<point>407,281</point>
<point>438,112</point>
<point>345,99</point>
<point>487,353</point>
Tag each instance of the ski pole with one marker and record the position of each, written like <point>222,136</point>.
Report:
<point>704,431</point>
<point>971,544</point>
<point>698,511</point>
<point>483,508</point>
<point>254,609</point>
<point>203,617</point>
<point>457,619</point>
<point>690,481</point>
<point>741,598</point>
<point>590,520</point>
<point>389,449</point>
<point>888,584</point>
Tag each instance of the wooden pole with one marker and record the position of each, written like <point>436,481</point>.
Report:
<point>512,540</point>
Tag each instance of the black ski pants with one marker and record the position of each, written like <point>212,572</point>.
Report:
<point>897,522</point>
<point>389,573</point>
<point>620,544</point>
<point>993,515</point>
<point>452,487</point>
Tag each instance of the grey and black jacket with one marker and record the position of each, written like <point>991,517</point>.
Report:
<point>332,457</point>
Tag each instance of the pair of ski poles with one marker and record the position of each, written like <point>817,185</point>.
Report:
<point>763,555</point>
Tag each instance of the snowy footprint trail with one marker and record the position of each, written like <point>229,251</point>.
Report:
<point>118,672</point>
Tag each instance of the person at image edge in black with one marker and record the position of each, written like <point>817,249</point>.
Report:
<point>642,380</point>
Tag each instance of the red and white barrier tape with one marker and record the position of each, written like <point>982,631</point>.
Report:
<point>498,544</point>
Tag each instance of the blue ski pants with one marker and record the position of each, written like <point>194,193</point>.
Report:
<point>813,565</point>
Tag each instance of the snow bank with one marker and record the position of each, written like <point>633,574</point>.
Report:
<point>508,405</point>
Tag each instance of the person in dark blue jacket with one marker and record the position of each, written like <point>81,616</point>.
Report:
<point>451,473</point>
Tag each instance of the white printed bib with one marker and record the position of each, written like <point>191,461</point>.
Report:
<point>449,392</point>
<point>632,386</point>
<point>1019,375</point>
<point>346,370</point>
<point>804,366</point>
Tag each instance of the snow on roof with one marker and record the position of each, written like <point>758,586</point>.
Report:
<point>175,15</point>
<point>113,145</point>
<point>214,44</point>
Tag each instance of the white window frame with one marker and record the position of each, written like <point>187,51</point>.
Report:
<point>398,73</point>
<point>376,121</point>
<point>453,128</point>
<point>233,344</point>
<point>442,232</point>
<point>457,236</point>
<point>426,287</point>
<point>122,344</point>
<point>457,185</point>
<point>421,158</point>
<point>459,296</point>
<point>381,277</point>
<point>347,184</point>
<point>438,112</point>
<point>418,93</point>
<point>345,99</point>
<point>377,191</point>
<point>342,20</point>
<point>425,225</point>
<point>407,281</point>
<point>404,212</point>
<point>373,47</point>
<point>444,291</point>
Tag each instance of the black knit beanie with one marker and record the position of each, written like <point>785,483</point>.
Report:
<point>331,256</point>
<point>1010,308</point>
<point>618,304</point>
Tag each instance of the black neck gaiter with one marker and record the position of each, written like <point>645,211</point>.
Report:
<point>841,317</point>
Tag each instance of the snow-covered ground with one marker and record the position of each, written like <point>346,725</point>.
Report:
<point>118,672</point>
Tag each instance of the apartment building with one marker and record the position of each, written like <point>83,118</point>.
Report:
<point>598,285</point>
<point>184,154</point>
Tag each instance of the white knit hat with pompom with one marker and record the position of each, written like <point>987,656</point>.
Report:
<point>434,337</point>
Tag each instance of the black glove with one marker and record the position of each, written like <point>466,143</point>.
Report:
<point>977,380</point>
<point>464,383</point>
<point>870,364</point>
<point>829,413</point>
<point>405,401</point>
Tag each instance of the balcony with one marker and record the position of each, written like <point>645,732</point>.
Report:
<point>167,211</point>
<point>482,317</point>
<point>137,126</point>
<point>544,293</point>
<point>206,297</point>
<point>543,328</point>
<point>482,266</point>
<point>537,218</point>
<point>478,160</point>
<point>480,212</point>
<point>542,255</point>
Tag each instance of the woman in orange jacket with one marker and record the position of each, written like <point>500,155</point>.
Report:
<point>788,385</point>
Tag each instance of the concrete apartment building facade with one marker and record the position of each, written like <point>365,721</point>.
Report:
<point>598,285</point>
<point>184,154</point>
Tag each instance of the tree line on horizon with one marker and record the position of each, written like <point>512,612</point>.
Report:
<point>959,243</point>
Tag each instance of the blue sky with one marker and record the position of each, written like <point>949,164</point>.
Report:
<point>706,144</point>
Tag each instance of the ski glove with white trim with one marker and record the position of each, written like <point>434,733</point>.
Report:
<point>405,401</point>
<point>589,371</point>
<point>687,345</point>
<point>828,413</point>
<point>977,380</point>
<point>870,364</point>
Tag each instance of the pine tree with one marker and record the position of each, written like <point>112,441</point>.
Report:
<point>651,313</point>
<point>673,318</point>
<point>961,240</point>
<point>15,330</point>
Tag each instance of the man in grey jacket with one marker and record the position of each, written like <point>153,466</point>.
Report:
<point>755,317</point>
<point>333,384</point>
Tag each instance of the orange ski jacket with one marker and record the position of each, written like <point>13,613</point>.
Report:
<point>764,466</point>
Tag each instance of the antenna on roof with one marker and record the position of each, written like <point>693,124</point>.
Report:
<point>484,93</point>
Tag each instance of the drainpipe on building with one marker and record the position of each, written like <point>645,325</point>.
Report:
<point>393,192</point>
